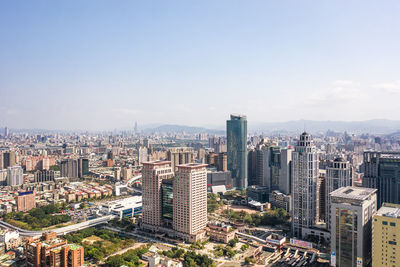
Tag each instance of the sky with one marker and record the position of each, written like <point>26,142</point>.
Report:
<point>96,64</point>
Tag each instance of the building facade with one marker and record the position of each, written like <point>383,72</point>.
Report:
<point>15,176</point>
<point>153,173</point>
<point>26,201</point>
<point>382,171</point>
<point>305,173</point>
<point>190,201</point>
<point>236,131</point>
<point>338,174</point>
<point>49,251</point>
<point>385,239</point>
<point>180,155</point>
<point>352,209</point>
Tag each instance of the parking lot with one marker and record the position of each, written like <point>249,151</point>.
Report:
<point>298,258</point>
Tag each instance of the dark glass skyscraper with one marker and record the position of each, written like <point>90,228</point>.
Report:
<point>236,132</point>
<point>382,171</point>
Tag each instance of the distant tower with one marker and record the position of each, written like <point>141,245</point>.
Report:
<point>305,173</point>
<point>135,129</point>
<point>5,131</point>
<point>236,133</point>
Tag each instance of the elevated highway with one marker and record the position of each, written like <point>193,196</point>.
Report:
<point>63,230</point>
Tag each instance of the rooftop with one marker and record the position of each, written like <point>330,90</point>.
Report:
<point>192,165</point>
<point>389,210</point>
<point>157,162</point>
<point>356,193</point>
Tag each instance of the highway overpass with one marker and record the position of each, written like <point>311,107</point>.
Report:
<point>63,230</point>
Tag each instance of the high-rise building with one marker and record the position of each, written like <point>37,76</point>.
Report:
<point>83,167</point>
<point>236,133</point>
<point>190,201</point>
<point>69,168</point>
<point>352,209</point>
<point>142,155</point>
<point>9,159</point>
<point>15,176</point>
<point>126,173</point>
<point>74,168</point>
<point>26,201</point>
<point>3,177</point>
<point>50,251</point>
<point>385,239</point>
<point>252,167</point>
<point>305,173</point>
<point>117,173</point>
<point>152,175</point>
<point>44,176</point>
<point>338,174</point>
<point>382,171</point>
<point>1,161</point>
<point>180,155</point>
<point>219,160</point>
<point>273,167</point>
<point>5,131</point>
<point>321,196</point>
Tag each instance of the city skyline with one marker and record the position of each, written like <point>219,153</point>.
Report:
<point>96,65</point>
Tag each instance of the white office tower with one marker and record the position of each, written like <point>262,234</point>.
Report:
<point>190,201</point>
<point>304,185</point>
<point>338,174</point>
<point>15,176</point>
<point>152,175</point>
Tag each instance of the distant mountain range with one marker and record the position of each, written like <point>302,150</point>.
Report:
<point>167,128</point>
<point>379,126</point>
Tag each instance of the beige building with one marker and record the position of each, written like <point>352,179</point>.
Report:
<point>385,236</point>
<point>152,175</point>
<point>220,232</point>
<point>180,155</point>
<point>26,201</point>
<point>190,201</point>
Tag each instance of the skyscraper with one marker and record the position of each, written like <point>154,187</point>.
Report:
<point>304,185</point>
<point>236,133</point>
<point>15,176</point>
<point>5,131</point>
<point>382,171</point>
<point>190,201</point>
<point>9,159</point>
<point>152,175</point>
<point>351,232</point>
<point>273,167</point>
<point>338,174</point>
<point>69,168</point>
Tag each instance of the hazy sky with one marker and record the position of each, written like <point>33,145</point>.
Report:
<point>106,64</point>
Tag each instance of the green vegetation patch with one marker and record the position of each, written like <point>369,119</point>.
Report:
<point>38,218</point>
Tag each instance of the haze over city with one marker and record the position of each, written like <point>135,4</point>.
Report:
<point>95,65</point>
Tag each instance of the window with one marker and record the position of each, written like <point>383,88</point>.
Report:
<point>392,224</point>
<point>392,242</point>
<point>384,223</point>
